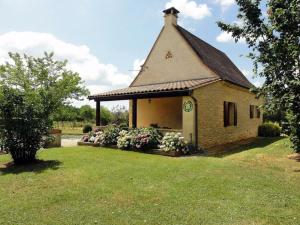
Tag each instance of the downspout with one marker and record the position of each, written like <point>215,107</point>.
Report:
<point>195,118</point>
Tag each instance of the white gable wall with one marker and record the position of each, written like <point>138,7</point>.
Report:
<point>184,64</point>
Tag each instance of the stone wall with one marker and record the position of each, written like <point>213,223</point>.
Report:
<point>211,130</point>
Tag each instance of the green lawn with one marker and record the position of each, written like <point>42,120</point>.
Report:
<point>87,185</point>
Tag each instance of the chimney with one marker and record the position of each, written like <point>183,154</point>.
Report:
<point>171,16</point>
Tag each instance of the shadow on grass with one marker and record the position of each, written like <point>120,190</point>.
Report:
<point>36,167</point>
<point>245,146</point>
<point>296,157</point>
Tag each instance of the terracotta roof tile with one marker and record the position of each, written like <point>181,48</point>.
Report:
<point>161,87</point>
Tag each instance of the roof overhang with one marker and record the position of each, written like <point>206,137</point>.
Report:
<point>159,94</point>
<point>168,89</point>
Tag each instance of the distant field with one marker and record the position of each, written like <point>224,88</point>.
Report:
<point>257,184</point>
<point>71,128</point>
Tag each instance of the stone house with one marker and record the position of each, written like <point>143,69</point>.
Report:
<point>186,85</point>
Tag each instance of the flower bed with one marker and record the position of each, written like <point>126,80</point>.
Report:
<point>140,139</point>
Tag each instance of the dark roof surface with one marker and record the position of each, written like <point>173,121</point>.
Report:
<point>161,87</point>
<point>215,59</point>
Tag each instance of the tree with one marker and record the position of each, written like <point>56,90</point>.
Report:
<point>87,113</point>
<point>31,90</point>
<point>106,116</point>
<point>67,113</point>
<point>273,38</point>
<point>120,115</point>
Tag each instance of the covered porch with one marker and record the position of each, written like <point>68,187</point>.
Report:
<point>170,107</point>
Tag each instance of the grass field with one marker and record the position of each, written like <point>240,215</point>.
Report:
<point>70,128</point>
<point>86,185</point>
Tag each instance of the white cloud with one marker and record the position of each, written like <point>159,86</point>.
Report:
<point>190,8</point>
<point>226,37</point>
<point>98,76</point>
<point>225,4</point>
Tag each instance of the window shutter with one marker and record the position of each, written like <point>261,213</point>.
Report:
<point>257,112</point>
<point>251,111</point>
<point>226,114</point>
<point>235,114</point>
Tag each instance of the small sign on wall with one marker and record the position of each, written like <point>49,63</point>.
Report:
<point>188,106</point>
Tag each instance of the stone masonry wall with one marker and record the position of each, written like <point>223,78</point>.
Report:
<point>211,130</point>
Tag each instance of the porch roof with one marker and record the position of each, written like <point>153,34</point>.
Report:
<point>168,89</point>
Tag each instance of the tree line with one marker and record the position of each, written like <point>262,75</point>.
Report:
<point>85,113</point>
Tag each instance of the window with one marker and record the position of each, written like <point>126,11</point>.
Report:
<point>257,112</point>
<point>251,111</point>
<point>230,114</point>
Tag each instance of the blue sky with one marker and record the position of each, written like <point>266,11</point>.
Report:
<point>103,40</point>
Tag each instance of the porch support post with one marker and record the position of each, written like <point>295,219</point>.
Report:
<point>134,112</point>
<point>97,113</point>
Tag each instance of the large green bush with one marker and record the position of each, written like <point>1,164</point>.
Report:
<point>269,129</point>
<point>31,91</point>
<point>24,125</point>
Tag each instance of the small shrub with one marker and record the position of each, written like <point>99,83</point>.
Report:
<point>96,129</point>
<point>110,135</point>
<point>85,138</point>
<point>124,139</point>
<point>93,137</point>
<point>99,137</point>
<point>145,138</point>
<point>269,130</point>
<point>174,142</point>
<point>87,128</point>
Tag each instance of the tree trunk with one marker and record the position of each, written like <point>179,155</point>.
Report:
<point>23,157</point>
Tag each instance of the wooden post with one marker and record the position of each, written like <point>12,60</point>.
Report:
<point>134,112</point>
<point>98,121</point>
